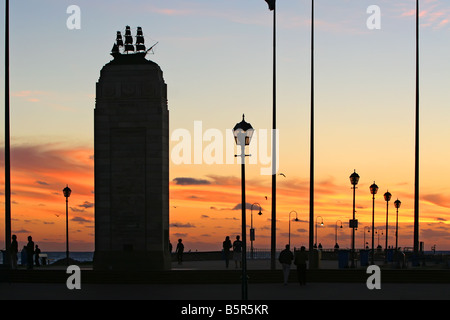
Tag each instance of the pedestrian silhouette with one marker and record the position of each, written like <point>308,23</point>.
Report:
<point>23,256</point>
<point>226,250</point>
<point>237,252</point>
<point>285,258</point>
<point>30,252</point>
<point>179,250</point>
<point>14,251</point>
<point>300,261</point>
<point>37,251</point>
<point>170,247</point>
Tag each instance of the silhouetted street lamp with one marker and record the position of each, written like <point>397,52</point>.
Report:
<point>252,231</point>
<point>296,219</point>
<point>354,179</point>
<point>368,231</point>
<point>373,191</point>
<point>378,235</point>
<point>321,223</point>
<point>397,204</point>
<point>67,192</point>
<point>387,197</point>
<point>335,233</point>
<point>243,132</point>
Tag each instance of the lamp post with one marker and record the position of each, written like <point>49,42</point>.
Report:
<point>387,197</point>
<point>272,7</point>
<point>368,231</point>
<point>67,192</point>
<point>321,223</point>
<point>243,132</point>
<point>354,179</point>
<point>296,219</point>
<point>373,191</point>
<point>7,261</point>
<point>335,233</point>
<point>397,204</point>
<point>252,231</point>
<point>378,235</point>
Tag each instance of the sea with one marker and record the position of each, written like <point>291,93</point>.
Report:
<point>52,257</point>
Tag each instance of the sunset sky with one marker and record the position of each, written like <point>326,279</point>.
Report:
<point>216,56</point>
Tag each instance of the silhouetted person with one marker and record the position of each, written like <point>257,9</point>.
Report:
<point>285,258</point>
<point>226,250</point>
<point>179,250</point>
<point>37,251</point>
<point>170,247</point>
<point>30,252</point>
<point>23,256</point>
<point>237,252</point>
<point>14,250</point>
<point>300,261</point>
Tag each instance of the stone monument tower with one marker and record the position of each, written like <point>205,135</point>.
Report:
<point>131,144</point>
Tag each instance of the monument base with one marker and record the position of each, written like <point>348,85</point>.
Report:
<point>131,261</point>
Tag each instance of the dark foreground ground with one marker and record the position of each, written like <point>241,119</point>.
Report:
<point>210,280</point>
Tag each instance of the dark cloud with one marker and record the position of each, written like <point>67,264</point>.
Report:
<point>247,206</point>
<point>184,181</point>
<point>43,183</point>
<point>80,220</point>
<point>182,225</point>
<point>86,205</point>
<point>21,231</point>
<point>180,235</point>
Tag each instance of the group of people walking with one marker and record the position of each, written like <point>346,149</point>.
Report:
<point>234,250</point>
<point>28,252</point>
<point>237,251</point>
<point>286,258</point>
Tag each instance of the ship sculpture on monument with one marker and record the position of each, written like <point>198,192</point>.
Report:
<point>120,47</point>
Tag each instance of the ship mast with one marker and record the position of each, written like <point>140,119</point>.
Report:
<point>138,48</point>
<point>128,40</point>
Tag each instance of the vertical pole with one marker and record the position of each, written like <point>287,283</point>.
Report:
<point>416,180</point>
<point>244,242</point>
<point>387,228</point>
<point>353,230</point>
<point>289,242</point>
<point>7,146</point>
<point>251,228</point>
<point>274,156</point>
<point>373,227</point>
<point>67,230</point>
<point>311,162</point>
<point>396,232</point>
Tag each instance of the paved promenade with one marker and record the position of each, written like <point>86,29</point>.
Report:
<point>256,291</point>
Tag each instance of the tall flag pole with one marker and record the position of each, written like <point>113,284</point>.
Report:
<point>7,146</point>
<point>416,182</point>
<point>272,7</point>
<point>311,162</point>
